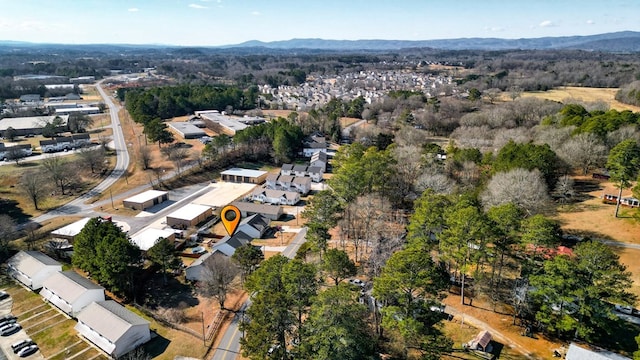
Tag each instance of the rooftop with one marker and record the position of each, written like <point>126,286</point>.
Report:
<point>146,196</point>
<point>189,212</point>
<point>149,237</point>
<point>243,172</point>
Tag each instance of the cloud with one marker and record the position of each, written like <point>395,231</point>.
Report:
<point>546,23</point>
<point>590,22</point>
<point>133,10</point>
<point>197,6</point>
<point>255,13</point>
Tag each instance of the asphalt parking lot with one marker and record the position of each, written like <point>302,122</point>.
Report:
<point>6,341</point>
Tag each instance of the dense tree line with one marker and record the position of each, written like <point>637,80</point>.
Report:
<point>171,101</point>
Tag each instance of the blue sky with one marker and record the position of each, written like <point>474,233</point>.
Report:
<point>223,22</point>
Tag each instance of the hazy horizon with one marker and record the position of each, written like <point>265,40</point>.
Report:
<point>231,22</point>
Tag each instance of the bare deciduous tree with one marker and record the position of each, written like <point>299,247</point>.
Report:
<point>145,157</point>
<point>564,189</point>
<point>439,183</point>
<point>525,188</point>
<point>583,151</point>
<point>93,158</point>
<point>219,277</point>
<point>34,185</point>
<point>7,233</point>
<point>59,171</point>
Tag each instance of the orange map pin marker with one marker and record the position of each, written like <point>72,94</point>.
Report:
<point>230,216</point>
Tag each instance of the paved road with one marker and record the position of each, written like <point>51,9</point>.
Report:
<point>122,162</point>
<point>229,347</point>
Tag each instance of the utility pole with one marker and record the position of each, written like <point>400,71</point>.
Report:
<point>111,194</point>
<point>204,339</point>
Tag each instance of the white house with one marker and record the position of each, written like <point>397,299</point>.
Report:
<point>271,181</point>
<point>32,268</point>
<point>300,170</point>
<point>302,184</point>
<point>112,328</point>
<point>315,173</point>
<point>272,212</point>
<point>70,231</point>
<point>71,292</point>
<point>285,181</point>
<point>315,143</point>
<point>255,225</point>
<point>319,159</point>
<point>576,352</point>
<point>286,169</point>
<point>277,197</point>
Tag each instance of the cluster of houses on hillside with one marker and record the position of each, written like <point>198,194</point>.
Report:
<point>371,85</point>
<point>105,323</point>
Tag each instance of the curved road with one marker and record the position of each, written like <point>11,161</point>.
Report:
<point>122,162</point>
<point>229,346</point>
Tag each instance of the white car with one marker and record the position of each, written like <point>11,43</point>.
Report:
<point>10,329</point>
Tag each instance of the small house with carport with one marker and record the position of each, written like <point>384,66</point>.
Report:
<point>148,237</point>
<point>229,244</point>
<point>189,215</point>
<point>300,170</point>
<point>255,225</point>
<point>271,212</point>
<point>71,292</point>
<point>196,270</point>
<point>302,184</point>
<point>112,328</point>
<point>239,175</point>
<point>32,268</point>
<point>146,199</point>
<point>69,232</point>
<point>286,169</point>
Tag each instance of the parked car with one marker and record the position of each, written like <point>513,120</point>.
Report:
<point>3,295</point>
<point>17,346</point>
<point>10,329</point>
<point>6,322</point>
<point>26,351</point>
<point>357,282</point>
<point>7,317</point>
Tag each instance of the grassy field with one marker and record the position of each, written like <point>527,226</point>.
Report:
<point>585,94</point>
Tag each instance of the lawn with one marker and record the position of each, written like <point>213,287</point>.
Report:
<point>585,94</point>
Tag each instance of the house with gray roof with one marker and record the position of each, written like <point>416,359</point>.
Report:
<point>576,352</point>
<point>32,268</point>
<point>229,244</point>
<point>271,212</point>
<point>71,292</point>
<point>286,169</point>
<point>196,270</point>
<point>302,184</point>
<point>300,170</point>
<point>255,225</point>
<point>112,328</point>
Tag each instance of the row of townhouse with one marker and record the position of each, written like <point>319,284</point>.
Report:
<point>105,323</point>
<point>275,197</point>
<point>65,143</point>
<point>299,170</point>
<point>297,184</point>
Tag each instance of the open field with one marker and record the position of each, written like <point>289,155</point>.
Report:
<point>585,94</point>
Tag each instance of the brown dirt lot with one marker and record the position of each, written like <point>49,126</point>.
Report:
<point>586,94</point>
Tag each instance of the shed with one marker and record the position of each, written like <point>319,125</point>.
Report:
<point>187,130</point>
<point>32,268</point>
<point>189,215</point>
<point>112,328</point>
<point>239,175</point>
<point>146,199</point>
<point>194,271</point>
<point>271,212</point>
<point>71,292</point>
<point>70,231</point>
<point>481,341</point>
<point>150,236</point>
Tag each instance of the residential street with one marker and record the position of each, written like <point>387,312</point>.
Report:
<point>229,346</point>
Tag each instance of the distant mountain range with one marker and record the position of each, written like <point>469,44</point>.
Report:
<point>624,42</point>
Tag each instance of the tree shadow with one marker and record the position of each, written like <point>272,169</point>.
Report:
<point>173,295</point>
<point>12,209</point>
<point>157,345</point>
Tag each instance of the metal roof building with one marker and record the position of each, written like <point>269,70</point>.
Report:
<point>70,231</point>
<point>71,292</point>
<point>187,130</point>
<point>146,199</point>
<point>189,215</point>
<point>244,175</point>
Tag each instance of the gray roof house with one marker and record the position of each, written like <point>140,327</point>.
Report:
<point>112,328</point>
<point>229,244</point>
<point>254,225</point>
<point>195,271</point>
<point>32,268</point>
<point>286,169</point>
<point>71,292</point>
<point>272,212</point>
<point>300,170</point>
<point>302,184</point>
